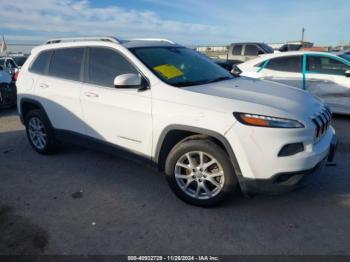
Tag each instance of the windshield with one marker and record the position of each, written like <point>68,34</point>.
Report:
<point>180,66</point>
<point>267,48</point>
<point>20,60</point>
<point>345,56</point>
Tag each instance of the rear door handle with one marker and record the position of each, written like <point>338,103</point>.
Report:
<point>42,85</point>
<point>91,94</point>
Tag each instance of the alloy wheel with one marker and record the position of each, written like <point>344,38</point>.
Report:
<point>37,133</point>
<point>199,175</point>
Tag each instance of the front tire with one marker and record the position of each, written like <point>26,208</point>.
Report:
<point>39,132</point>
<point>200,173</point>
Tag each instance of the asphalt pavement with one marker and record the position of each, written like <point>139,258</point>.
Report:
<point>81,201</point>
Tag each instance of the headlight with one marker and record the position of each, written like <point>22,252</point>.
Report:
<point>266,121</point>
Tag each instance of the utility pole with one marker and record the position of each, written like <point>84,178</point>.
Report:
<point>302,36</point>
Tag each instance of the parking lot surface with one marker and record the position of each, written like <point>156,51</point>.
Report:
<point>81,201</point>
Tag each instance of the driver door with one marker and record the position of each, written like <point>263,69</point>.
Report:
<point>121,116</point>
<point>325,77</point>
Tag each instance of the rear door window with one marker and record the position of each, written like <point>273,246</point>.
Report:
<point>286,64</point>
<point>237,50</point>
<point>41,62</point>
<point>325,65</point>
<point>66,63</point>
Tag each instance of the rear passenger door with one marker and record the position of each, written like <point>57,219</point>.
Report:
<point>236,53</point>
<point>58,88</point>
<point>121,116</point>
<point>286,70</point>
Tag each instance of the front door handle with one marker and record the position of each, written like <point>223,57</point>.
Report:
<point>267,77</point>
<point>91,94</point>
<point>42,85</point>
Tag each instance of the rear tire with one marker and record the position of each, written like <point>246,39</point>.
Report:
<point>39,132</point>
<point>200,173</point>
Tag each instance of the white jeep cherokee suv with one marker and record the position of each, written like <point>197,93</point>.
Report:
<point>212,133</point>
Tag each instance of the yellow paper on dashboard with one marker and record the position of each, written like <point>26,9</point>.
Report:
<point>168,71</point>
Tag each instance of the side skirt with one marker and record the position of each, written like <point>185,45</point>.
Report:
<point>103,146</point>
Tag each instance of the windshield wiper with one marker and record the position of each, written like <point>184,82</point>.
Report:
<point>222,78</point>
<point>190,83</point>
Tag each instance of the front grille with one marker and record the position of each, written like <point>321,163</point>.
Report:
<point>322,121</point>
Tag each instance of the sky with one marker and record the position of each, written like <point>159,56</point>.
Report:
<point>189,22</point>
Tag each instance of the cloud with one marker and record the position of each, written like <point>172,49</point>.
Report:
<point>78,17</point>
<point>185,21</point>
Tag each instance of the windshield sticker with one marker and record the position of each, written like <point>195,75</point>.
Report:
<point>168,71</point>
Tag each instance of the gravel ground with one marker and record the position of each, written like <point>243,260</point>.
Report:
<point>81,201</point>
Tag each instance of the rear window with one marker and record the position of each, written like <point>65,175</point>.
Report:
<point>66,63</point>
<point>40,63</point>
<point>286,64</point>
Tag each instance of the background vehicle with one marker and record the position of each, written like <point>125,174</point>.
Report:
<point>19,59</point>
<point>290,47</point>
<point>241,52</point>
<point>158,101</point>
<point>7,89</point>
<point>323,74</point>
<point>9,64</point>
<point>343,54</point>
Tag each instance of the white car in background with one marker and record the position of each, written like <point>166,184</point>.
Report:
<point>325,75</point>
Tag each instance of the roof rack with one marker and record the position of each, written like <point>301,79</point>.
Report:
<point>90,38</point>
<point>153,39</point>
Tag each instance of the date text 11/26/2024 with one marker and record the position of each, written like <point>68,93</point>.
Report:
<point>173,258</point>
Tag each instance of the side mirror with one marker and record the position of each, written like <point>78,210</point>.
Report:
<point>347,73</point>
<point>128,81</point>
<point>235,71</point>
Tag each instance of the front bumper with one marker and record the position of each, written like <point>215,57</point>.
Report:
<point>288,181</point>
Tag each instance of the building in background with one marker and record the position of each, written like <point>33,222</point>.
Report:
<point>341,47</point>
<point>211,48</point>
<point>18,49</point>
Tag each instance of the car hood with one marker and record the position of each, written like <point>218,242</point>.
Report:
<point>261,92</point>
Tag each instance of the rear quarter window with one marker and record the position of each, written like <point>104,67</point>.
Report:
<point>40,63</point>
